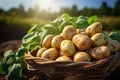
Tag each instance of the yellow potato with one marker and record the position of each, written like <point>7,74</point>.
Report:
<point>50,53</point>
<point>82,42</point>
<point>63,58</point>
<point>47,41</point>
<point>81,57</point>
<point>98,39</point>
<point>68,32</point>
<point>56,41</point>
<point>81,31</point>
<point>113,45</point>
<point>40,51</point>
<point>101,52</point>
<point>94,28</point>
<point>67,47</point>
<point>60,53</point>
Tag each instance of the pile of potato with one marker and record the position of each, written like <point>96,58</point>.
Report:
<point>78,45</point>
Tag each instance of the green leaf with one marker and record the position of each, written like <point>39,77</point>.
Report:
<point>115,35</point>
<point>92,19</point>
<point>34,29</point>
<point>81,22</point>
<point>31,40</point>
<point>8,60</point>
<point>106,34</point>
<point>1,69</point>
<point>21,51</point>
<point>14,73</point>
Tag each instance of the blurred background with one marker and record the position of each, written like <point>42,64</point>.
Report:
<point>17,16</point>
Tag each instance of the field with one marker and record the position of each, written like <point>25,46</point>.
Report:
<point>12,28</point>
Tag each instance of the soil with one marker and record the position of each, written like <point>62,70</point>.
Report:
<point>35,75</point>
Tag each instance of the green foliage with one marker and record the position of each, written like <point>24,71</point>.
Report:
<point>115,35</point>
<point>12,64</point>
<point>15,72</point>
<point>92,19</point>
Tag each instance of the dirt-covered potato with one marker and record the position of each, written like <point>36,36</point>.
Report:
<point>101,52</point>
<point>47,41</point>
<point>68,32</point>
<point>50,53</point>
<point>93,28</point>
<point>113,45</point>
<point>40,51</point>
<point>98,39</point>
<point>63,58</point>
<point>56,41</point>
<point>67,47</point>
<point>82,42</point>
<point>81,57</point>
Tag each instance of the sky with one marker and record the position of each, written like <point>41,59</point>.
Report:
<point>53,5</point>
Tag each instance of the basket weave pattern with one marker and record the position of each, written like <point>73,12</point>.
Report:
<point>96,70</point>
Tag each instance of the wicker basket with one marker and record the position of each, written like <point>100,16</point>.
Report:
<point>97,70</point>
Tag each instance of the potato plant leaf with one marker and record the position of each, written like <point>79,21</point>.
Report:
<point>92,19</point>
<point>14,73</point>
<point>115,35</point>
<point>81,22</point>
<point>8,60</point>
<point>12,64</point>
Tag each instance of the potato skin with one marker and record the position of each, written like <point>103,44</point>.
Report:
<point>47,41</point>
<point>93,28</point>
<point>68,32</point>
<point>50,53</point>
<point>98,39</point>
<point>40,51</point>
<point>81,57</point>
<point>82,42</point>
<point>56,41</point>
<point>63,58</point>
<point>101,52</point>
<point>81,31</point>
<point>67,47</point>
<point>113,45</point>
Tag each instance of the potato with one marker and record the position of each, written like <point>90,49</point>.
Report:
<point>93,28</point>
<point>63,58</point>
<point>113,45</point>
<point>81,31</point>
<point>81,57</point>
<point>82,42</point>
<point>67,47</point>
<point>50,53</point>
<point>61,34</point>
<point>98,39</point>
<point>68,32</point>
<point>47,41</point>
<point>60,53</point>
<point>101,52</point>
<point>40,51</point>
<point>56,41</point>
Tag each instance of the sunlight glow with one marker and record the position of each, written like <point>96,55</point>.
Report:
<point>45,4</point>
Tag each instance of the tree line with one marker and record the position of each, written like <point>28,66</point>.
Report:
<point>103,10</point>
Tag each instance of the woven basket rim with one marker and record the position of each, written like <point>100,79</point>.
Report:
<point>44,61</point>
<point>93,70</point>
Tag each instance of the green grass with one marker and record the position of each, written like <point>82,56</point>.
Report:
<point>110,23</point>
<point>22,21</point>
